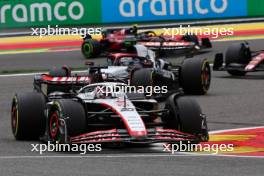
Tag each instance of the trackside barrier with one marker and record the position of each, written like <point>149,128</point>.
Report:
<point>30,13</point>
<point>33,13</point>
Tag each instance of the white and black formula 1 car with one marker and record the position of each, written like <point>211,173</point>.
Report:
<point>239,60</point>
<point>92,115</point>
<point>142,68</point>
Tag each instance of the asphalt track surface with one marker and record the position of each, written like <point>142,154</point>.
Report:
<point>75,59</point>
<point>231,103</point>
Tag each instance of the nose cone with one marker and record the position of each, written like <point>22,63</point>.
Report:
<point>140,134</point>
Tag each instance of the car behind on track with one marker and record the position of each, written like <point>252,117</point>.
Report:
<point>116,40</point>
<point>239,60</point>
<point>142,68</point>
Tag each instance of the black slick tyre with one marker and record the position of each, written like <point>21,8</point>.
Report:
<point>195,76</point>
<point>91,48</point>
<point>74,114</point>
<point>185,115</point>
<point>238,54</point>
<point>27,116</point>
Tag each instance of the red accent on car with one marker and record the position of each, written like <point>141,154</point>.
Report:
<point>97,136</point>
<point>162,130</point>
<point>66,80</point>
<point>255,62</point>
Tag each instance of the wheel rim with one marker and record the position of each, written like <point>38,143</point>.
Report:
<point>206,77</point>
<point>14,119</point>
<point>54,126</point>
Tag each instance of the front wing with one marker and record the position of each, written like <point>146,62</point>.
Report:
<point>154,135</point>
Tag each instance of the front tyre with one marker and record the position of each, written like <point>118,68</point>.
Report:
<point>72,113</point>
<point>185,115</point>
<point>238,54</point>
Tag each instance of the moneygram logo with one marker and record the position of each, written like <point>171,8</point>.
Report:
<point>129,8</point>
<point>42,11</point>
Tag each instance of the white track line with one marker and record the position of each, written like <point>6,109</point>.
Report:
<point>21,74</point>
<point>126,156</point>
<point>31,74</point>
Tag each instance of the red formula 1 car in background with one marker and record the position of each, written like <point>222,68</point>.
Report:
<point>116,40</point>
<point>111,41</point>
<point>163,44</point>
<point>239,60</point>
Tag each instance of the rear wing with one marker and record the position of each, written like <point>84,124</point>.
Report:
<point>48,79</point>
<point>47,84</point>
<point>171,45</point>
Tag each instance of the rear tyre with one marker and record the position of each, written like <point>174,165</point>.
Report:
<point>76,122</point>
<point>91,48</point>
<point>142,77</point>
<point>238,54</point>
<point>155,78</point>
<point>195,76</point>
<point>27,116</point>
<point>60,72</point>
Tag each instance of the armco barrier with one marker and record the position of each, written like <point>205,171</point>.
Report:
<point>158,10</point>
<point>26,13</point>
<point>32,13</point>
